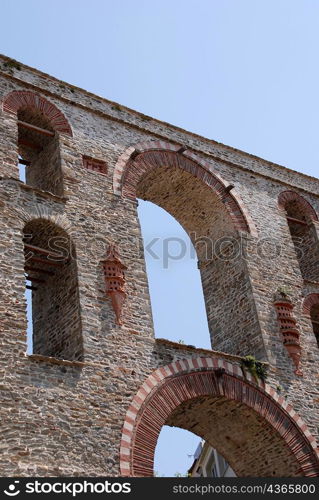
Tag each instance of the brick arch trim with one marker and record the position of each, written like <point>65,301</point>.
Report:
<point>311,300</point>
<point>148,412</point>
<point>287,196</point>
<point>59,220</point>
<point>18,99</point>
<point>152,154</point>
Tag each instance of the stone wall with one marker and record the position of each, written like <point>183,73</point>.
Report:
<point>45,169</point>
<point>227,287</point>
<point>66,417</point>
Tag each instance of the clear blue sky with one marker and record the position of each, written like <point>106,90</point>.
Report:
<point>242,72</point>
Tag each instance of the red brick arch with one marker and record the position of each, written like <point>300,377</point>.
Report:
<point>307,209</point>
<point>18,99</point>
<point>311,300</point>
<point>170,386</point>
<point>152,154</point>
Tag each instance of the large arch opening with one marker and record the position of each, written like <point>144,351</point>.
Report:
<point>205,209</point>
<point>205,222</point>
<point>174,280</point>
<point>243,438</point>
<point>208,211</point>
<point>257,433</point>
<point>53,296</point>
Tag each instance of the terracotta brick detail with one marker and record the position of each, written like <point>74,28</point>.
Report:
<point>291,196</point>
<point>167,395</point>
<point>95,165</point>
<point>115,280</point>
<point>18,99</point>
<point>147,156</point>
<point>309,301</point>
<point>289,329</point>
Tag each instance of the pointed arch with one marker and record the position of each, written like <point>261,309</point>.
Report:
<point>173,385</point>
<point>143,157</point>
<point>18,99</point>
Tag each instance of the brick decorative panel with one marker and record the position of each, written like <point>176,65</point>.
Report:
<point>95,165</point>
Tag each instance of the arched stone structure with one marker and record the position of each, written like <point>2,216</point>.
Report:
<point>18,99</point>
<point>286,197</point>
<point>141,158</point>
<point>309,301</point>
<point>213,216</point>
<point>293,450</point>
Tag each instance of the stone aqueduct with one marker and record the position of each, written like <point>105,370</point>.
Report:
<point>94,394</point>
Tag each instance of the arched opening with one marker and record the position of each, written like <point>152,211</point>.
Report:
<point>39,152</point>
<point>203,212</point>
<point>246,424</point>
<point>174,280</point>
<point>232,429</point>
<point>39,124</point>
<point>314,315</point>
<point>311,309</point>
<point>51,275</point>
<point>300,216</point>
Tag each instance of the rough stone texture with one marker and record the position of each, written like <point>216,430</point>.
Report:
<point>65,417</point>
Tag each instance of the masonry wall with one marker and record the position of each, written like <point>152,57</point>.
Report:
<point>77,408</point>
<point>227,287</point>
<point>45,170</point>
<point>9,146</point>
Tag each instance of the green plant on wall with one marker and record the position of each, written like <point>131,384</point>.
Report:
<point>256,368</point>
<point>284,290</point>
<point>11,64</point>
